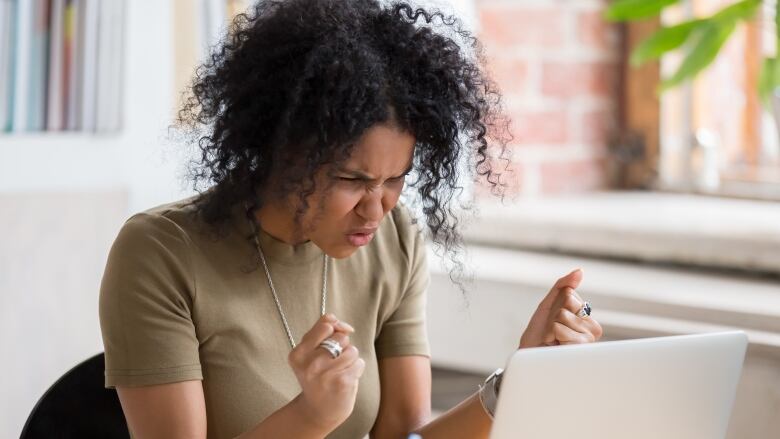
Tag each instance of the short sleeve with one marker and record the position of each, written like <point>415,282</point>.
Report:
<point>404,332</point>
<point>145,304</point>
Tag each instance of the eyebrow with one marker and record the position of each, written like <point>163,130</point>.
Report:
<point>363,176</point>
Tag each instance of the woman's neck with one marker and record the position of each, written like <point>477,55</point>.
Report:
<point>278,222</point>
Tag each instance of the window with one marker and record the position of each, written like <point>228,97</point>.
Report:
<point>716,136</point>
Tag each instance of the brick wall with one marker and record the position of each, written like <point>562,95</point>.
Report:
<point>556,63</point>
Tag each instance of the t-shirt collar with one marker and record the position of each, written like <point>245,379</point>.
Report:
<point>275,250</point>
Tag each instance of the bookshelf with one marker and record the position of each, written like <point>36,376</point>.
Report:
<point>157,61</point>
<point>63,197</point>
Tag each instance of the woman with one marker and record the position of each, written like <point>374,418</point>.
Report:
<point>288,299</point>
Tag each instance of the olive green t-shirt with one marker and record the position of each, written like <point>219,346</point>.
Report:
<point>178,304</point>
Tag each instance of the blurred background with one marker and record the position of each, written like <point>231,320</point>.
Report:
<point>668,201</point>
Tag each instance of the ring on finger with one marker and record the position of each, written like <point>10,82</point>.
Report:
<point>332,346</point>
<point>585,311</point>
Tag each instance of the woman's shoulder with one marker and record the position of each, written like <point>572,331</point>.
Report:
<point>170,223</point>
<point>178,214</point>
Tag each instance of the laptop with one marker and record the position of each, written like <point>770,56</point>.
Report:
<point>678,387</point>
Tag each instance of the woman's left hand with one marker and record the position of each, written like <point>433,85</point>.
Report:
<point>555,320</point>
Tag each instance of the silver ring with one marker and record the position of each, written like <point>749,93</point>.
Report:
<point>332,346</point>
<point>585,311</point>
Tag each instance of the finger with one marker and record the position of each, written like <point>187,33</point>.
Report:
<point>346,377</point>
<point>594,328</point>
<point>322,329</point>
<point>549,338</point>
<point>326,364</point>
<point>343,367</point>
<point>355,370</point>
<point>339,337</point>
<point>581,324</point>
<point>569,319</point>
<point>344,327</point>
<point>345,360</point>
<point>338,324</point>
<point>565,299</point>
<point>571,280</point>
<point>570,301</point>
<point>565,335</point>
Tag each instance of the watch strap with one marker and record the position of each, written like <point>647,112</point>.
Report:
<point>488,392</point>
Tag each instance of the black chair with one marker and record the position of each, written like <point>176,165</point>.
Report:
<point>78,406</point>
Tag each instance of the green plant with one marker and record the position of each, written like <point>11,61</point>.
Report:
<point>701,39</point>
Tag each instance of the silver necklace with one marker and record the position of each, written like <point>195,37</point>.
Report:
<point>273,290</point>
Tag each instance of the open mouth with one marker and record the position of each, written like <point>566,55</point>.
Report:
<point>360,239</point>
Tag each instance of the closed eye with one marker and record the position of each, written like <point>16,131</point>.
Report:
<point>363,180</point>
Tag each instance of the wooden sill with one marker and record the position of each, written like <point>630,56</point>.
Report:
<point>665,228</point>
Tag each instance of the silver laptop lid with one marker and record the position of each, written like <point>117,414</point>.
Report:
<point>665,387</point>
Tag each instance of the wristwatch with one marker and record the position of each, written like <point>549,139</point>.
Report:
<point>488,391</point>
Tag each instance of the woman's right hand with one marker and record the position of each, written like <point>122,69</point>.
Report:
<point>329,385</point>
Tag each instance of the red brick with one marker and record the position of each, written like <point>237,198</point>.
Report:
<point>549,127</point>
<point>511,74</point>
<point>571,79</point>
<point>597,126</point>
<point>594,31</point>
<point>507,25</point>
<point>573,176</point>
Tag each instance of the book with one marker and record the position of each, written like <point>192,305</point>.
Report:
<point>71,66</point>
<point>7,23</point>
<point>56,93</point>
<point>21,65</point>
<point>110,50</point>
<point>39,58</point>
<point>89,47</point>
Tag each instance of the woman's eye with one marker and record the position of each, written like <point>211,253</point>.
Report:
<point>351,181</point>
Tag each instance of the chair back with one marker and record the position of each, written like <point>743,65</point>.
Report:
<point>78,406</point>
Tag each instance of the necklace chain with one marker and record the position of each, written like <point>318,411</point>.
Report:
<point>273,290</point>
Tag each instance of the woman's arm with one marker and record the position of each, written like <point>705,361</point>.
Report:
<point>466,420</point>
<point>406,381</point>
<point>175,410</point>
<point>178,411</point>
<point>405,405</point>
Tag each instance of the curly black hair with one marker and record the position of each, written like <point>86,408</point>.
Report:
<point>295,83</point>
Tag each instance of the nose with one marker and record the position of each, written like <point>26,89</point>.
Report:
<point>371,206</point>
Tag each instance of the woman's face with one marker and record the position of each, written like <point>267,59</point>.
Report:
<point>352,199</point>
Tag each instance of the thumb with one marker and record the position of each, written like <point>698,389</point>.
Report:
<point>571,280</point>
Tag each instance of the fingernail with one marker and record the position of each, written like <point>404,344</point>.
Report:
<point>330,317</point>
<point>345,326</point>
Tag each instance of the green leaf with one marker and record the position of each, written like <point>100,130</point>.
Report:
<point>624,10</point>
<point>768,80</point>
<point>765,79</point>
<point>743,10</point>
<point>710,41</point>
<point>664,40</point>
